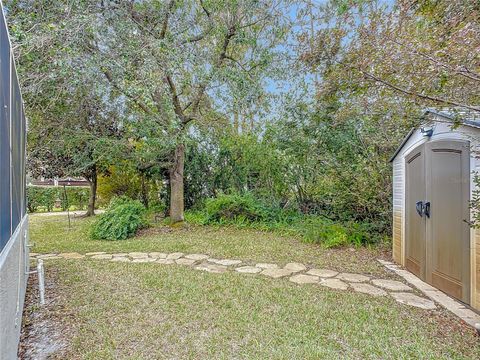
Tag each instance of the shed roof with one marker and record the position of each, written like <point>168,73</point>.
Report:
<point>468,118</point>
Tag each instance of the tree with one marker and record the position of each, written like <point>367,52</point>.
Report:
<point>82,140</point>
<point>178,61</point>
<point>416,50</point>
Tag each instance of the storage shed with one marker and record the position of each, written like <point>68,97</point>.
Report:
<point>433,183</point>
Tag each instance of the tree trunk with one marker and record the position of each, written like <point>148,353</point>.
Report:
<point>144,190</point>
<point>93,193</point>
<point>176,185</point>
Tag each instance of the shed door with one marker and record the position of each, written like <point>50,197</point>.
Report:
<point>447,230</point>
<point>415,223</point>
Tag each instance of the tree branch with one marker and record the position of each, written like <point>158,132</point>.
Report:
<point>410,92</point>
<point>457,70</point>
<point>177,107</point>
<point>203,86</point>
<point>163,32</point>
<point>133,98</point>
<point>206,32</point>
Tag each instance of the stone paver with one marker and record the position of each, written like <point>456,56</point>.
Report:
<point>72,255</point>
<point>296,267</point>
<point>324,273</point>
<point>102,257</point>
<point>196,256</point>
<point>276,273</point>
<point>95,253</point>
<point>143,260</point>
<point>324,277</point>
<point>225,262</point>
<point>212,268</point>
<point>32,254</point>
<point>138,255</point>
<point>413,300</point>
<point>304,279</point>
<point>248,269</point>
<point>334,284</point>
<point>157,255</point>
<point>470,317</point>
<point>352,277</point>
<point>187,262</point>
<point>266,266</point>
<point>368,289</point>
<point>391,285</point>
<point>165,261</point>
<point>174,256</point>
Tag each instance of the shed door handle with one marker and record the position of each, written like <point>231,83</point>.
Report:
<point>419,208</point>
<point>427,209</point>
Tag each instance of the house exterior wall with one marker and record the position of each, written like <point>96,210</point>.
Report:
<point>14,264</point>
<point>13,282</point>
<point>442,131</point>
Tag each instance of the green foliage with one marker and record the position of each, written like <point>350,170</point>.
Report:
<point>319,230</point>
<point>245,210</point>
<point>235,208</point>
<point>120,221</point>
<point>124,180</point>
<point>39,197</point>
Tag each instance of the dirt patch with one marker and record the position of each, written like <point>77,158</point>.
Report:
<point>43,336</point>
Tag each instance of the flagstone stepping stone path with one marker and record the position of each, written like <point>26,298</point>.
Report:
<point>248,269</point>
<point>352,277</point>
<point>412,300</point>
<point>267,266</point>
<point>334,284</point>
<point>368,289</point>
<point>297,273</point>
<point>323,273</point>
<point>392,285</point>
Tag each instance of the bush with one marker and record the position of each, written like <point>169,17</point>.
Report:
<point>236,208</point>
<point>123,180</point>
<point>246,210</point>
<point>44,197</point>
<point>120,221</point>
<point>333,234</point>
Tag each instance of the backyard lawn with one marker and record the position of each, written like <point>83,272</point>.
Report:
<point>103,310</point>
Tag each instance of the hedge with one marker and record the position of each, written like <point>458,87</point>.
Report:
<point>44,197</point>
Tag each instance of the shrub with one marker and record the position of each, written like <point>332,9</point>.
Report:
<point>123,180</point>
<point>34,200</point>
<point>45,196</point>
<point>246,210</point>
<point>197,217</point>
<point>327,234</point>
<point>330,234</point>
<point>235,208</point>
<point>120,221</point>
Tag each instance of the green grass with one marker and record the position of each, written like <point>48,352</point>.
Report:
<point>149,311</point>
<point>52,234</point>
<point>105,310</point>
